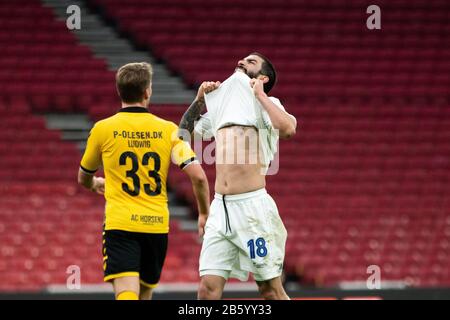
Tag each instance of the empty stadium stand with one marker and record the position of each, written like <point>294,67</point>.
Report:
<point>364,181</point>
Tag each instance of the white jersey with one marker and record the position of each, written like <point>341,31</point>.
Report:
<point>234,103</point>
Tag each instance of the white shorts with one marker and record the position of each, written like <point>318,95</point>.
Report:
<point>250,238</point>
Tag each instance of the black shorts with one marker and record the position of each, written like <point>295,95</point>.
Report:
<point>134,254</point>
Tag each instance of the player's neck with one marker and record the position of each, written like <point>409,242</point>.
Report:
<point>139,104</point>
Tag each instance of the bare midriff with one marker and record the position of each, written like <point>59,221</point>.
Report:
<point>238,165</point>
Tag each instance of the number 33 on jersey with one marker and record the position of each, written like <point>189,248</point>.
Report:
<point>135,148</point>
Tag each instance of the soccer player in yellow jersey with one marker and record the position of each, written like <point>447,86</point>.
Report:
<point>135,148</point>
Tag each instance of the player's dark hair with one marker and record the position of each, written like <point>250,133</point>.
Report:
<point>267,69</point>
<point>132,80</point>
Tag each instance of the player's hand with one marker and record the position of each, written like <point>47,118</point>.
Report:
<point>201,224</point>
<point>98,185</point>
<point>207,87</point>
<point>258,87</point>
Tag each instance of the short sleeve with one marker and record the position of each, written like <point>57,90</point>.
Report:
<point>265,115</point>
<point>182,153</point>
<point>277,103</point>
<point>92,157</point>
<point>203,127</point>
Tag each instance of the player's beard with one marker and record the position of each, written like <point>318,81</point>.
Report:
<point>250,74</point>
<point>253,75</point>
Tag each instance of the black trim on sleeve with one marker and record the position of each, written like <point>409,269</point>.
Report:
<point>184,164</point>
<point>88,171</point>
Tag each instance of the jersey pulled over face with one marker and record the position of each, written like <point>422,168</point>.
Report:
<point>235,104</point>
<point>135,148</point>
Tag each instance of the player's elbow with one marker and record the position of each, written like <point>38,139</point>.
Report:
<point>196,174</point>
<point>199,178</point>
<point>290,128</point>
<point>84,180</point>
<point>288,131</point>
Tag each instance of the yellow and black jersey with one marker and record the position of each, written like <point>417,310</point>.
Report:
<point>135,148</point>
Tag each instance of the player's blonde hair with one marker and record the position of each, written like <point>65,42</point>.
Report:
<point>132,80</point>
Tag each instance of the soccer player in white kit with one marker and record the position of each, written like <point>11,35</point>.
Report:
<point>244,232</point>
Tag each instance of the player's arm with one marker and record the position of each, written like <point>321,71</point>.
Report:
<point>90,163</point>
<point>89,181</point>
<point>192,114</point>
<point>281,120</point>
<point>201,191</point>
<point>184,157</point>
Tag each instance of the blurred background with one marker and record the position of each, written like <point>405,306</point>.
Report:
<point>364,182</point>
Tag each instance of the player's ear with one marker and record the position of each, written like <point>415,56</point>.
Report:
<point>264,78</point>
<point>148,92</point>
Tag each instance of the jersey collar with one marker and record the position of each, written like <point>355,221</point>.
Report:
<point>134,110</point>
